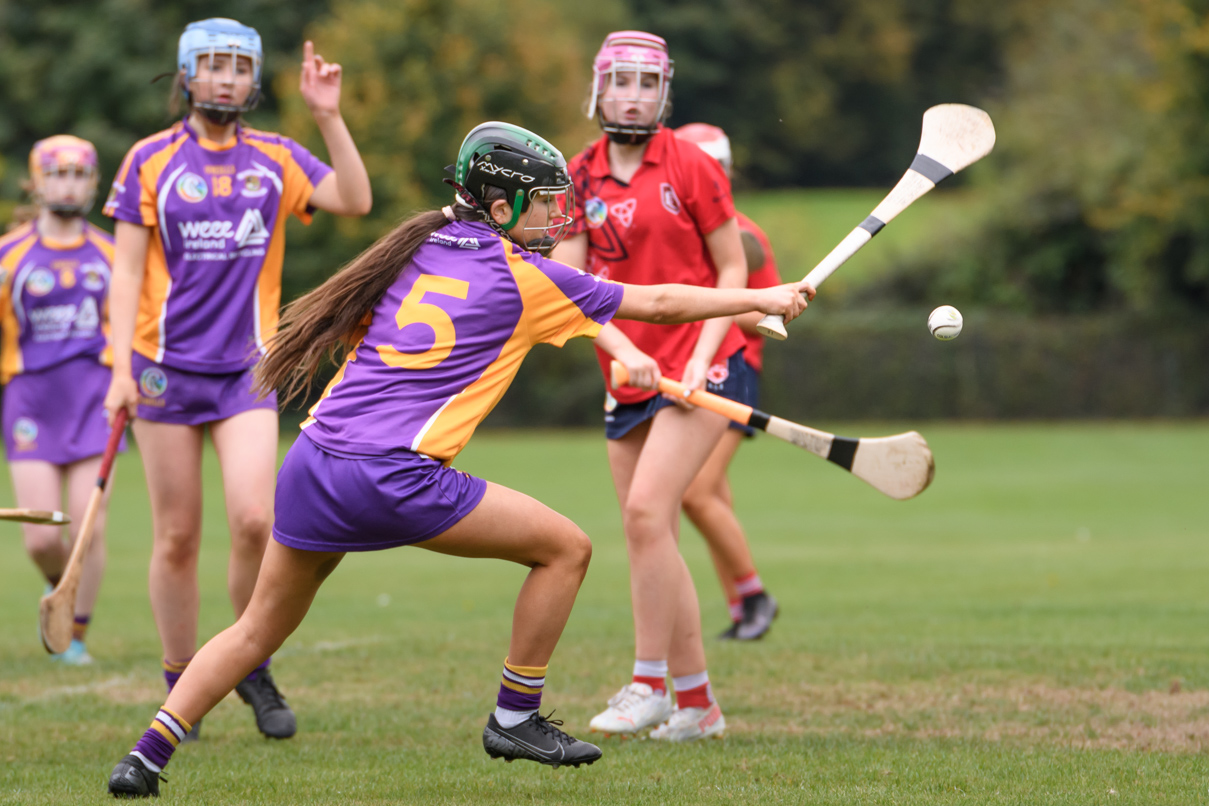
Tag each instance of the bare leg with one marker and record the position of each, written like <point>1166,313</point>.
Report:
<point>39,485</point>
<point>651,481</point>
<point>287,585</point>
<point>508,525</point>
<point>81,481</point>
<point>247,451</point>
<point>172,456</point>
<point>708,505</point>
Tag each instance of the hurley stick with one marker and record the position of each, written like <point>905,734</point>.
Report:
<point>57,609</point>
<point>900,466</point>
<point>954,137</point>
<point>45,516</point>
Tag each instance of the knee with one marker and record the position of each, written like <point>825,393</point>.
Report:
<point>250,529</point>
<point>578,551</point>
<point>44,545</point>
<point>178,548</point>
<point>697,502</point>
<point>644,521</point>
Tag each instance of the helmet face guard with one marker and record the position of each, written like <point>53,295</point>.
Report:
<point>215,37</point>
<point>531,172</point>
<point>633,53</point>
<point>63,154</point>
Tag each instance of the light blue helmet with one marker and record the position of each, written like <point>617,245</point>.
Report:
<point>219,35</point>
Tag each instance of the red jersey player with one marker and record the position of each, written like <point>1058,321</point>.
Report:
<point>708,502</point>
<point>653,209</point>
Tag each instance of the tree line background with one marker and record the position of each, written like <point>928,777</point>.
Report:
<point>1097,195</point>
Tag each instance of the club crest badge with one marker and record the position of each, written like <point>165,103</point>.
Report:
<point>717,374</point>
<point>153,382</point>
<point>667,195</point>
<point>596,211</point>
<point>253,184</point>
<point>610,403</point>
<point>25,433</point>
<point>40,282</point>
<point>191,188</point>
<point>624,212</point>
<point>94,277</point>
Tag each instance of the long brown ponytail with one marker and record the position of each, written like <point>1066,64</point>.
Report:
<point>329,321</point>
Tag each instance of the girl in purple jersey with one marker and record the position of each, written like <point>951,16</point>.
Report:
<point>434,321</point>
<point>201,211</point>
<point>54,284</point>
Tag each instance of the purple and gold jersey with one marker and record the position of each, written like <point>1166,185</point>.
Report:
<point>212,283</point>
<point>446,340</point>
<point>52,299</point>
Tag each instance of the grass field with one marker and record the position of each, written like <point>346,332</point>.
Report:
<point>1031,630</point>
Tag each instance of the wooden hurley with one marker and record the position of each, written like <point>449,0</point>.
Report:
<point>900,466</point>
<point>56,612</point>
<point>955,136</point>
<point>45,516</point>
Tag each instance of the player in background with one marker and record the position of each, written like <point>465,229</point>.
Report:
<point>435,319</point>
<point>201,210</point>
<point>655,209</point>
<point>708,502</point>
<point>54,358</point>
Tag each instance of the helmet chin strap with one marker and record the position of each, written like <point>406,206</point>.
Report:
<point>219,117</point>
<point>64,211</point>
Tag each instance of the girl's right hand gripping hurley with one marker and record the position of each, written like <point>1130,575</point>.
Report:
<point>954,136</point>
<point>56,613</point>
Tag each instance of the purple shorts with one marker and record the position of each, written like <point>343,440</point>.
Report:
<point>170,395</point>
<point>331,502</point>
<point>57,415</point>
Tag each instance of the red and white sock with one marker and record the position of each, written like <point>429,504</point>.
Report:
<point>749,585</point>
<point>653,673</point>
<point>693,691</point>
<point>735,606</point>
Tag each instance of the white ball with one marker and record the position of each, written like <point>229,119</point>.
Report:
<point>945,323</point>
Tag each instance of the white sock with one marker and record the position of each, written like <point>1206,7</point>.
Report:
<point>690,681</point>
<point>650,668</point>
<point>510,719</point>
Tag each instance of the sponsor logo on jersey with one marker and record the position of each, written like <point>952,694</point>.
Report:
<point>251,230</point>
<point>717,374</point>
<point>596,211</point>
<point>457,243</point>
<point>153,382</point>
<point>253,187</point>
<point>624,212</point>
<point>191,188</point>
<point>40,282</point>
<point>667,195</point>
<point>86,319</point>
<point>507,173</point>
<point>94,277</point>
<point>25,432</point>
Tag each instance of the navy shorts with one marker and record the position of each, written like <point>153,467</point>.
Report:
<point>620,418</point>
<point>750,397</point>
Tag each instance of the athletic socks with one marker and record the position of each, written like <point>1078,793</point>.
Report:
<point>520,694</point>
<point>693,691</point>
<point>173,669</point>
<point>252,675</point>
<point>653,673</point>
<point>159,742</point>
<point>735,608</point>
<point>79,627</point>
<point>749,585</point>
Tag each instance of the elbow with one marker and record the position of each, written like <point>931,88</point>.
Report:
<point>360,207</point>
<point>662,310</point>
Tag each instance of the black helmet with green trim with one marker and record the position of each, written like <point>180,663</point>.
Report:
<point>531,172</point>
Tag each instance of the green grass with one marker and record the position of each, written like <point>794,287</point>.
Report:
<point>803,225</point>
<point>1015,635</point>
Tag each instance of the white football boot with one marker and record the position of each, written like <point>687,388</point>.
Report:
<point>636,707</point>
<point>687,724</point>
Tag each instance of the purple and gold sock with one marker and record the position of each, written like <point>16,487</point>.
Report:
<point>520,694</point>
<point>252,675</point>
<point>159,742</point>
<point>79,627</point>
<point>173,669</point>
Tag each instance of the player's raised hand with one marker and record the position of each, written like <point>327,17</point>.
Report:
<point>319,83</point>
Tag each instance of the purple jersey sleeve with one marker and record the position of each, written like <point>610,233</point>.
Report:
<point>302,177</point>
<point>568,303</point>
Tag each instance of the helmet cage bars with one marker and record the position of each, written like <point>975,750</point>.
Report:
<point>638,53</point>
<point>529,170</point>
<point>214,37</point>
<point>62,154</point>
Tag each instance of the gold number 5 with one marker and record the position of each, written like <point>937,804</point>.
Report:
<point>413,311</point>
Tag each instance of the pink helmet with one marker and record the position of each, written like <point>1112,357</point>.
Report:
<point>711,139</point>
<point>637,52</point>
<point>60,153</point>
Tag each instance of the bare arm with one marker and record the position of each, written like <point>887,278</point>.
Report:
<point>672,304</point>
<point>573,251</point>
<point>345,191</point>
<point>125,288</point>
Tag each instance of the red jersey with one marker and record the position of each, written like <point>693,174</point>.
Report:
<point>764,277</point>
<point>651,231</point>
